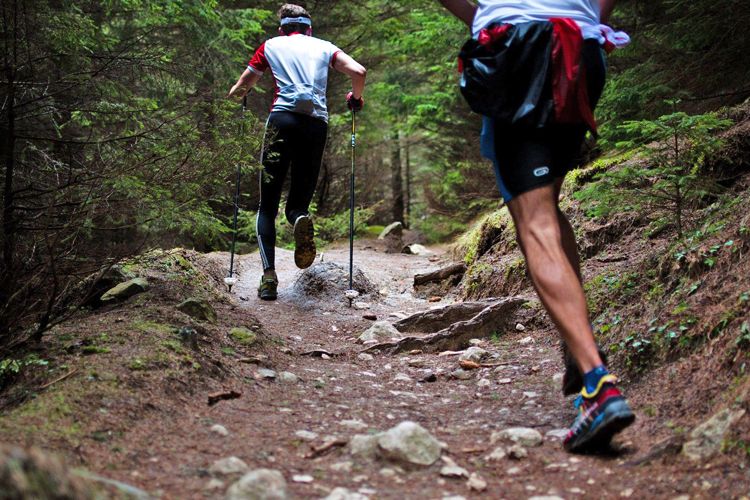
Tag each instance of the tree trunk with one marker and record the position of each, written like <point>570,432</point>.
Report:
<point>8,129</point>
<point>407,161</point>
<point>397,182</point>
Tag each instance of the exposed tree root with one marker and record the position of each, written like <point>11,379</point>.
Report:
<point>495,317</point>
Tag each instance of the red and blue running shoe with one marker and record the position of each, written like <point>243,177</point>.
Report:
<point>601,415</point>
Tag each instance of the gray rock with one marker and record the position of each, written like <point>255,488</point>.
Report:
<point>476,483</point>
<point>484,383</point>
<point>214,484</point>
<point>228,466</point>
<point>199,309</point>
<point>461,374</point>
<point>306,435</point>
<point>452,469</point>
<point>266,373</point>
<point>402,377</point>
<point>354,424</point>
<point>497,454</point>
<point>345,494</point>
<point>380,331</point>
<point>473,353</point>
<point>556,434</point>
<point>409,442</point>
<point>363,356</point>
<point>517,452</point>
<point>416,249</point>
<point>125,290</point>
<point>706,439</point>
<point>220,430</point>
<point>521,435</point>
<point>288,378</point>
<point>260,484</point>
<point>394,229</point>
<point>364,445</point>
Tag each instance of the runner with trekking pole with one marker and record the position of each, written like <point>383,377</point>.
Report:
<point>535,70</point>
<point>296,130</point>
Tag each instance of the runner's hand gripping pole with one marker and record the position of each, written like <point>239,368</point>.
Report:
<point>231,280</point>
<point>351,293</point>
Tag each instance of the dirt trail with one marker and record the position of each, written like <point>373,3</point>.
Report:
<point>346,395</point>
<point>153,429</point>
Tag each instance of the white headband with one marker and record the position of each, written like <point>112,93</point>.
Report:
<point>296,20</point>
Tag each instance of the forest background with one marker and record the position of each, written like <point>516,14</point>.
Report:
<point>117,137</point>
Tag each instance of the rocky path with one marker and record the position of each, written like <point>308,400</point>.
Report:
<point>321,419</point>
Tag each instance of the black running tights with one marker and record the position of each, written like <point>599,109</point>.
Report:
<point>292,140</point>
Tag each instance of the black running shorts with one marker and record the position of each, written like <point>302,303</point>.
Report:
<point>527,159</point>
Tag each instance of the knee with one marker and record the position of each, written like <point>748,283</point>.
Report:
<point>542,233</point>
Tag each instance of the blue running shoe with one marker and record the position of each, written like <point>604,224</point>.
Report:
<point>601,415</point>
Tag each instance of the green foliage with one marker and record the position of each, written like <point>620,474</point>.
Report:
<point>668,183</point>
<point>488,230</point>
<point>11,367</point>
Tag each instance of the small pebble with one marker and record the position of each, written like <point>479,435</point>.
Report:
<point>220,430</point>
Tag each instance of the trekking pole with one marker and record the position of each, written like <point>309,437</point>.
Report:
<point>351,293</point>
<point>231,280</point>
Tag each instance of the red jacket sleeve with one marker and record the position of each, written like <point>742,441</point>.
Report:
<point>259,63</point>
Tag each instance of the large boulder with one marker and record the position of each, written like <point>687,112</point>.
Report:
<point>124,290</point>
<point>35,474</point>
<point>380,331</point>
<point>409,443</point>
<point>393,230</point>
<point>260,484</point>
<point>329,281</point>
<point>706,439</point>
<point>199,309</point>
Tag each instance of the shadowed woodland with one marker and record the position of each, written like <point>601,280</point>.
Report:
<point>119,155</point>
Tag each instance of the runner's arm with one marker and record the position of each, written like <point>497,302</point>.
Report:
<point>245,83</point>
<point>605,10</point>
<point>463,9</point>
<point>345,64</point>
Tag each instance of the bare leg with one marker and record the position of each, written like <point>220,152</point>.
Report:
<point>568,235</point>
<point>554,271</point>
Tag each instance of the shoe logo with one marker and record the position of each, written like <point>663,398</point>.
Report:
<point>541,171</point>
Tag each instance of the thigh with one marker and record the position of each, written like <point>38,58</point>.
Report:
<point>275,158</point>
<point>524,160</point>
<point>536,208</point>
<point>306,157</point>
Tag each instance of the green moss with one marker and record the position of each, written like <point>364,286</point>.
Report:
<point>95,349</point>
<point>470,244</point>
<point>153,327</point>
<point>50,414</point>
<point>243,336</point>
<point>174,346</point>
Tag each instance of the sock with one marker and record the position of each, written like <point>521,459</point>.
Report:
<point>591,379</point>
<point>269,273</point>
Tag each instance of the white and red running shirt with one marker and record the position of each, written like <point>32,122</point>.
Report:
<point>585,13</point>
<point>299,64</point>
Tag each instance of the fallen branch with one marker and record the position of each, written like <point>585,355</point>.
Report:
<point>440,275</point>
<point>59,379</point>
<point>222,396</point>
<point>327,446</point>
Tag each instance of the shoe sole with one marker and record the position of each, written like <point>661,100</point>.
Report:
<point>267,296</point>
<point>616,418</point>
<point>304,243</point>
